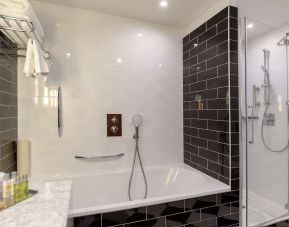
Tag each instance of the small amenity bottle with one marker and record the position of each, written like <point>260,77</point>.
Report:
<point>17,190</point>
<point>1,190</point>
<point>21,192</point>
<point>25,186</point>
<point>12,185</point>
<point>6,190</point>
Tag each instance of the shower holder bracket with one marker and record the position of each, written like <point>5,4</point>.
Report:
<point>269,119</point>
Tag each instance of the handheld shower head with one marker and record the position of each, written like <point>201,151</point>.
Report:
<point>136,120</point>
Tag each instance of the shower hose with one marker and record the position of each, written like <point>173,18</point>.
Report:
<point>264,117</point>
<point>137,154</point>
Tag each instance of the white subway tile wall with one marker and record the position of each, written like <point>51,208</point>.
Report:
<point>103,66</point>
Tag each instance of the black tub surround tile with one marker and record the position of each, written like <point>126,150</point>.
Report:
<point>8,104</point>
<point>280,224</point>
<point>202,211</point>
<point>124,216</point>
<point>211,68</point>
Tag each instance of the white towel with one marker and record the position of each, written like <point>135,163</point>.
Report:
<point>39,61</point>
<point>21,9</point>
<point>29,61</point>
<point>35,63</point>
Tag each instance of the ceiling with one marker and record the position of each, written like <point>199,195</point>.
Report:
<point>178,13</point>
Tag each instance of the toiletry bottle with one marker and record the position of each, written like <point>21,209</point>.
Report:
<point>21,188</point>
<point>25,186</point>
<point>2,205</point>
<point>1,185</point>
<point>6,186</point>
<point>17,190</point>
<point>6,190</point>
<point>12,185</point>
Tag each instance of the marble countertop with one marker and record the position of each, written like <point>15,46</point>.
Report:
<point>46,209</point>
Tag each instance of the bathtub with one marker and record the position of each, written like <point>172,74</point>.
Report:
<point>107,192</point>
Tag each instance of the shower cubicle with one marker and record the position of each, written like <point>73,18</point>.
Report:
<point>265,124</point>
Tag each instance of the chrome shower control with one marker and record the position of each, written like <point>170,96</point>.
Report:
<point>114,129</point>
<point>114,125</point>
<point>114,119</point>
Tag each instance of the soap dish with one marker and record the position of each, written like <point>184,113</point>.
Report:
<point>6,203</point>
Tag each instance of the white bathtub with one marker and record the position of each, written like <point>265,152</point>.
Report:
<point>106,192</point>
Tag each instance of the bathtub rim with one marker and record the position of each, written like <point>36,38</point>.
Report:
<point>146,202</point>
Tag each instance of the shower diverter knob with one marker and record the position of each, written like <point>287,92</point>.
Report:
<point>114,119</point>
<point>114,129</point>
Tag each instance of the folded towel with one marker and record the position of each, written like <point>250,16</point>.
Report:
<point>35,63</point>
<point>20,9</point>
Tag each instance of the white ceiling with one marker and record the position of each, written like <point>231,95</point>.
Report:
<point>178,13</point>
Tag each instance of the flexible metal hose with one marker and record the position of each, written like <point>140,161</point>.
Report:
<point>136,153</point>
<point>264,117</point>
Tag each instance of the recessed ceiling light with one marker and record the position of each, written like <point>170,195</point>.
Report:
<point>119,60</point>
<point>68,55</point>
<point>163,4</point>
<point>139,34</point>
<point>250,25</point>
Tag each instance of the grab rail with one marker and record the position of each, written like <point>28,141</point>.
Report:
<point>59,111</point>
<point>99,157</point>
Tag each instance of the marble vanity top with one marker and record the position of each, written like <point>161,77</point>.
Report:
<point>46,209</point>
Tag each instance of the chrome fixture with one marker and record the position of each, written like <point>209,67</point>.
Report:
<point>284,41</point>
<point>266,70</point>
<point>137,120</point>
<point>255,104</point>
<point>99,157</point>
<point>268,118</point>
<point>59,111</point>
<point>8,20</point>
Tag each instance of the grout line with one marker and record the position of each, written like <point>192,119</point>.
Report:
<point>3,66</point>
<point>9,166</point>
<point>7,93</point>
<point>9,154</point>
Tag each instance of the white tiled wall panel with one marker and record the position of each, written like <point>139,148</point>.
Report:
<point>86,47</point>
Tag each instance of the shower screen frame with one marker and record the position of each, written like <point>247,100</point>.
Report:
<point>244,117</point>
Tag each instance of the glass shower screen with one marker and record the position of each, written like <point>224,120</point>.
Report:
<point>265,124</point>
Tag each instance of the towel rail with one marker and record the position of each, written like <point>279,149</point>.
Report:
<point>19,28</point>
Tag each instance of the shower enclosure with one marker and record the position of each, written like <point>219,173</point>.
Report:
<point>265,124</point>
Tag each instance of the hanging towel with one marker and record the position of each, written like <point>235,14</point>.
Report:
<point>39,61</point>
<point>29,61</point>
<point>35,63</point>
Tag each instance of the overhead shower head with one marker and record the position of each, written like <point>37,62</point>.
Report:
<point>137,120</point>
<point>284,41</point>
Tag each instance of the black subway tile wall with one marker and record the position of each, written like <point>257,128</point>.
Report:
<point>206,135</point>
<point>211,105</point>
<point>8,104</point>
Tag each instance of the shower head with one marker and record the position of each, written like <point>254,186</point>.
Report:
<point>284,41</point>
<point>136,120</point>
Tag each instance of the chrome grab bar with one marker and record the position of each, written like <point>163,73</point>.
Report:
<point>59,111</point>
<point>99,157</point>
